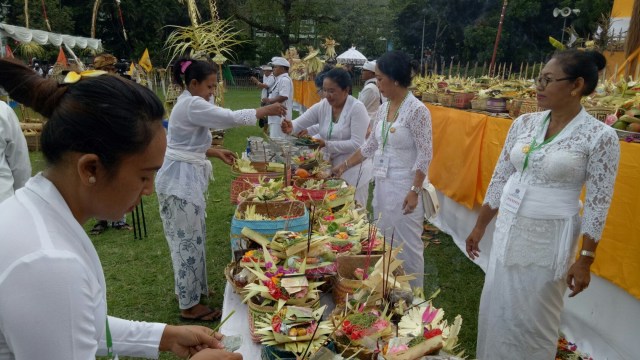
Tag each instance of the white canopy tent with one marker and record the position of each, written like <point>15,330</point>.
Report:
<point>351,56</point>
<point>23,34</point>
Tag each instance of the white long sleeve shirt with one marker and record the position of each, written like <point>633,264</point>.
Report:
<point>269,81</point>
<point>189,124</point>
<point>53,293</point>
<point>371,98</point>
<point>15,166</point>
<point>282,87</point>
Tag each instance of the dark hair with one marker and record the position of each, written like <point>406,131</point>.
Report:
<point>319,79</point>
<point>195,70</point>
<point>584,64</point>
<point>397,66</point>
<point>340,77</point>
<point>105,115</point>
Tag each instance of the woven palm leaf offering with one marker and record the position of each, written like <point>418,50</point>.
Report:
<point>299,330</point>
<point>267,190</point>
<point>424,331</point>
<point>286,286</point>
<point>360,331</point>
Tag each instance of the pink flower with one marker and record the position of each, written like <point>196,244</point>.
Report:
<point>429,314</point>
<point>397,349</point>
<point>380,325</point>
<point>359,273</point>
<point>610,119</point>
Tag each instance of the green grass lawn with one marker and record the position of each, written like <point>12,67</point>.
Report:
<point>140,279</point>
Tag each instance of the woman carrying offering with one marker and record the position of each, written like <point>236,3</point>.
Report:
<point>183,180</point>
<point>103,143</point>
<point>401,149</point>
<point>339,123</point>
<point>546,160</point>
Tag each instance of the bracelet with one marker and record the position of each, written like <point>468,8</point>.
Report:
<point>588,253</point>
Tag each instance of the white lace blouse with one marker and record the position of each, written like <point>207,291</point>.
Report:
<point>189,125</point>
<point>410,145</point>
<point>586,151</point>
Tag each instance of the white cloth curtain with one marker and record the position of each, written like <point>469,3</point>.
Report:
<point>43,37</point>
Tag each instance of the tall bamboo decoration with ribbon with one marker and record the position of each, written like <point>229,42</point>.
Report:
<point>94,17</point>
<point>214,10</point>
<point>26,13</point>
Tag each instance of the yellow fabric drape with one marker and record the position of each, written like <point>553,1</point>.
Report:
<point>466,149</point>
<point>305,93</point>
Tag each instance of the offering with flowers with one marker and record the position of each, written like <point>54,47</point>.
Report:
<point>268,190</point>
<point>360,326</point>
<point>569,351</point>
<point>423,331</point>
<point>280,284</point>
<point>295,329</point>
<point>255,256</point>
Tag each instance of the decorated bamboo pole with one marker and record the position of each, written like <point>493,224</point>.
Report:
<point>475,68</point>
<point>521,67</point>
<point>484,65</point>
<point>26,13</point>
<point>510,69</point>
<point>94,16</point>
<point>526,72</point>
<point>44,13</point>
<point>466,70</point>
<point>458,68</point>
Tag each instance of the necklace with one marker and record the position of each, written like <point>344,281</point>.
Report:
<point>391,129</point>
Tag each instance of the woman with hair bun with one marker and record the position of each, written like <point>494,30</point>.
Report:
<point>400,145</point>
<point>184,178</point>
<point>547,158</point>
<point>103,144</point>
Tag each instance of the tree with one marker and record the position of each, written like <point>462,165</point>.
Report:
<point>283,18</point>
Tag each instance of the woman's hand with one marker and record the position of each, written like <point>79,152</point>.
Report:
<point>227,156</point>
<point>410,202</point>
<point>321,143</point>
<point>302,133</point>
<point>338,170</point>
<point>276,109</point>
<point>579,275</point>
<point>286,126</point>
<point>472,242</point>
<point>187,340</point>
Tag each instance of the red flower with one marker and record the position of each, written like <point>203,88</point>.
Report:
<point>428,334</point>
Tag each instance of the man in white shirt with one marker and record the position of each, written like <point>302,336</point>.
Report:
<point>282,92</point>
<point>268,80</point>
<point>370,95</point>
<point>15,167</point>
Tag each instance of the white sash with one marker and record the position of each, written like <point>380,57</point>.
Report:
<point>548,204</point>
<point>198,159</point>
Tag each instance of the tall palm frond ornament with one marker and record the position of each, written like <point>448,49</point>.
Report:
<point>30,49</point>
<point>212,39</point>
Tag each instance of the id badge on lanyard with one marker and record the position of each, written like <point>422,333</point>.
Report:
<point>514,198</point>
<point>380,164</point>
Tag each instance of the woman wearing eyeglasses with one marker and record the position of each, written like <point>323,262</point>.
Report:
<point>546,160</point>
<point>339,122</point>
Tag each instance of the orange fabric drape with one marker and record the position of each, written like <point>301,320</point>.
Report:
<point>457,139</point>
<point>305,93</point>
<point>468,144</point>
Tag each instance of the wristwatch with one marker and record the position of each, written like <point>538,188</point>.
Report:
<point>416,189</point>
<point>588,253</point>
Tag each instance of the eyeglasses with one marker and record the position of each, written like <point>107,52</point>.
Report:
<point>544,81</point>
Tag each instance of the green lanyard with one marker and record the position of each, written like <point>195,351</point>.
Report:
<point>109,341</point>
<point>330,129</point>
<point>528,149</point>
<point>385,130</point>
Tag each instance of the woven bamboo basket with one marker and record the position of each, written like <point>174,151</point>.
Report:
<point>431,97</point>
<point>446,99</point>
<point>529,106</point>
<point>479,104</point>
<point>344,283</point>
<point>600,112</point>
<point>230,270</point>
<point>513,106</point>
<point>347,352</point>
<point>33,141</point>
<point>463,100</point>
<point>256,312</point>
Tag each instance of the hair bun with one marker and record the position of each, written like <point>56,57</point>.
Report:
<point>598,59</point>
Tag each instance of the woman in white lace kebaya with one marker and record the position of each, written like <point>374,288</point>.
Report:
<point>546,160</point>
<point>400,146</point>
<point>183,180</point>
<point>339,123</point>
